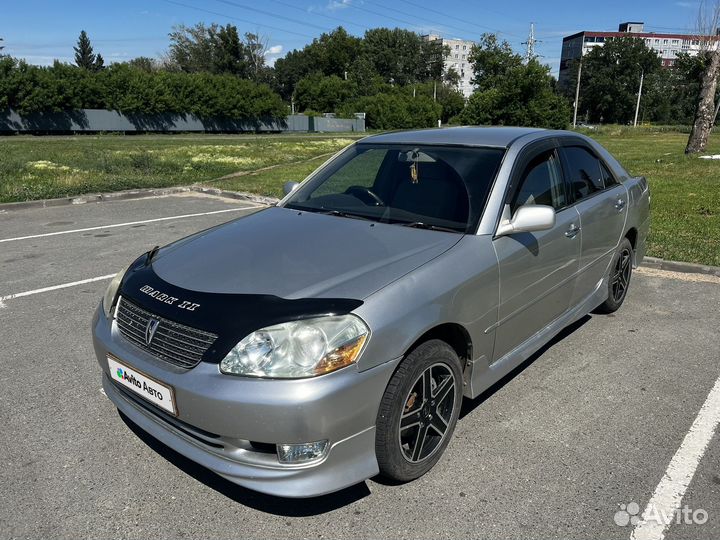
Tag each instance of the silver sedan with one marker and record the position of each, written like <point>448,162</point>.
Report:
<point>332,337</point>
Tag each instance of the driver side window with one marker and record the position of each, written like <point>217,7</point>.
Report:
<point>541,183</point>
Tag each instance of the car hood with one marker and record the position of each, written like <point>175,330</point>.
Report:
<point>293,254</point>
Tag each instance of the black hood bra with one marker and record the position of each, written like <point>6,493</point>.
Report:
<point>230,316</point>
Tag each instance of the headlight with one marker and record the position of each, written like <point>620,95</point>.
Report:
<point>111,292</point>
<point>299,348</point>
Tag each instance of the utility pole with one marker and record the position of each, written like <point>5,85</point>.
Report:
<point>434,90</point>
<point>637,106</point>
<point>530,43</point>
<point>577,93</point>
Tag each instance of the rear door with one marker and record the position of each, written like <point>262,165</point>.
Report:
<point>602,204</point>
<point>536,270</point>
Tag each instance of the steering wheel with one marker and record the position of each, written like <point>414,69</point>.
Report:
<point>365,195</point>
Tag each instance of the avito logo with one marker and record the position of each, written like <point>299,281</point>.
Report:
<point>128,377</point>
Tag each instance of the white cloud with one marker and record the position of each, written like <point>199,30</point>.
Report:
<point>334,5</point>
<point>275,49</point>
<point>687,4</point>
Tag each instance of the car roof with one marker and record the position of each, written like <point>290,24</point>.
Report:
<point>501,137</point>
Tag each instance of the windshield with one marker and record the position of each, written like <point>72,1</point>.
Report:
<point>433,187</point>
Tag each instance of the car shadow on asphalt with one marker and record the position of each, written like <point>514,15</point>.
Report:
<point>469,405</point>
<point>270,504</point>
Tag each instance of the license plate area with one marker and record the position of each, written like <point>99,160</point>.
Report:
<point>148,388</point>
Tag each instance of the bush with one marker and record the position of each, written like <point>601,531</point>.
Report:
<point>396,111</point>
<point>326,94</point>
<point>132,90</point>
<point>524,97</point>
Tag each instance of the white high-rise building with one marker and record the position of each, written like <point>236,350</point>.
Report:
<point>667,46</point>
<point>458,60</point>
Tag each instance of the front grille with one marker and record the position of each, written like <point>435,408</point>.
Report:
<point>174,343</point>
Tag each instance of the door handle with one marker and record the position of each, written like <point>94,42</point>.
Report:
<point>619,205</point>
<point>572,231</point>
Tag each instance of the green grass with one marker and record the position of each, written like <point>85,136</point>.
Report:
<point>270,182</point>
<point>48,167</point>
<point>685,190</point>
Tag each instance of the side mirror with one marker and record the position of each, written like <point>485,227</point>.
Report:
<point>528,218</point>
<point>289,187</point>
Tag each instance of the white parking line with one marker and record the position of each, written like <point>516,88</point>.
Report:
<point>3,299</point>
<point>183,216</point>
<point>669,493</point>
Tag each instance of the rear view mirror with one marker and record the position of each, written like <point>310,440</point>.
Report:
<point>528,218</point>
<point>289,187</point>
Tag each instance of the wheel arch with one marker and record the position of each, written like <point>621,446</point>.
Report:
<point>454,334</point>
<point>632,235</point>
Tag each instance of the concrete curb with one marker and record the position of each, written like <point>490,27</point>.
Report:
<point>260,199</point>
<point>134,194</point>
<point>677,266</point>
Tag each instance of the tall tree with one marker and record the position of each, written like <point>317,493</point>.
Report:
<point>401,56</point>
<point>492,61</point>
<point>510,92</point>
<point>191,48</point>
<point>217,49</point>
<point>228,52</point>
<point>333,53</point>
<point>84,55</point>
<point>611,79</point>
<point>256,47</point>
<point>708,19</point>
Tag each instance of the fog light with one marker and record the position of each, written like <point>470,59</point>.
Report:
<point>301,453</point>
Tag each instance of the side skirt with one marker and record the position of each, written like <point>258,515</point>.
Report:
<point>483,374</point>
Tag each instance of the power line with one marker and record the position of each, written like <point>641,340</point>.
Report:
<point>425,8</point>
<point>246,21</point>
<point>384,15</point>
<point>270,14</point>
<point>332,18</point>
<point>419,18</point>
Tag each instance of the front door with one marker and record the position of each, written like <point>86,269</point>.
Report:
<point>536,270</point>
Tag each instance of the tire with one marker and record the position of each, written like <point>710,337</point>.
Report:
<point>619,281</point>
<point>433,365</point>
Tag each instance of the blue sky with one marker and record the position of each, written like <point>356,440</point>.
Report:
<point>41,30</point>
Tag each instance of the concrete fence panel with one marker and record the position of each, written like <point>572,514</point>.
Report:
<point>96,120</point>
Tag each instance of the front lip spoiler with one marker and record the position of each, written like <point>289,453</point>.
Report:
<point>348,461</point>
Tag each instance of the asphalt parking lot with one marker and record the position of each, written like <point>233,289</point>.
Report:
<point>596,420</point>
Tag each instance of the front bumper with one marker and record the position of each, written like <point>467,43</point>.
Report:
<point>219,415</point>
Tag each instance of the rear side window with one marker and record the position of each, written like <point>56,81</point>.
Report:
<point>584,173</point>
<point>541,183</point>
<point>608,178</point>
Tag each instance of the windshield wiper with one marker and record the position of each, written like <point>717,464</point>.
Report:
<point>428,226</point>
<point>344,214</point>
